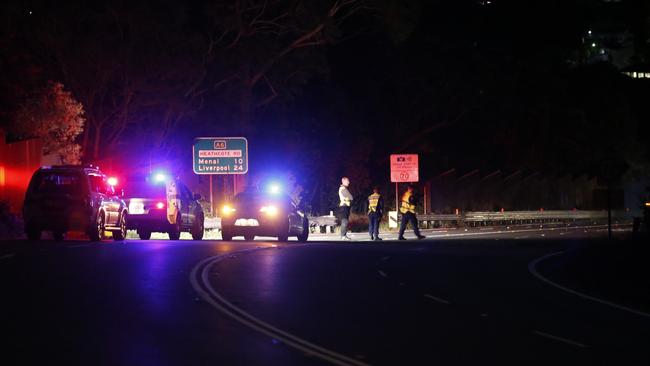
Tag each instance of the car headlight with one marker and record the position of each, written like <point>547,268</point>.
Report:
<point>269,210</point>
<point>227,210</point>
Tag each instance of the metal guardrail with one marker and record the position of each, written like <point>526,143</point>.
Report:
<point>513,217</point>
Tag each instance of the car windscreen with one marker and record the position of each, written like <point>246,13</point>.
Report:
<point>58,182</point>
<point>144,189</point>
<point>248,198</point>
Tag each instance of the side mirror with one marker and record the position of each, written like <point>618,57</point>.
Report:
<point>196,196</point>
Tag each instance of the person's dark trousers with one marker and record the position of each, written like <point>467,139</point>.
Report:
<point>344,215</point>
<point>406,218</point>
<point>373,224</point>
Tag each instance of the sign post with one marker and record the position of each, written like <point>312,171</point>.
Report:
<point>219,155</point>
<point>404,168</point>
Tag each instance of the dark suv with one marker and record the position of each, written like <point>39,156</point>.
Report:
<point>159,203</point>
<point>73,197</point>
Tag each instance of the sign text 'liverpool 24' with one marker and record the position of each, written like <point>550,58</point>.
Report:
<point>220,155</point>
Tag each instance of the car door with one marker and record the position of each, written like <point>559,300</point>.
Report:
<point>102,197</point>
<point>113,203</point>
<point>186,204</point>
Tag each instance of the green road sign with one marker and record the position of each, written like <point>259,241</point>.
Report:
<point>220,155</point>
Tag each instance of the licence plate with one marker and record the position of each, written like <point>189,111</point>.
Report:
<point>136,207</point>
<point>247,222</point>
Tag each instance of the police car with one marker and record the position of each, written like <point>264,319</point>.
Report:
<point>160,203</point>
<point>255,213</point>
<point>73,197</point>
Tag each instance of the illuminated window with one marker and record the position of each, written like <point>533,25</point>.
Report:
<point>634,74</point>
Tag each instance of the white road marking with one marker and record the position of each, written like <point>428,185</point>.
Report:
<point>532,268</point>
<point>385,258</point>
<point>560,339</point>
<point>210,295</point>
<point>7,256</point>
<point>438,299</point>
<point>382,273</point>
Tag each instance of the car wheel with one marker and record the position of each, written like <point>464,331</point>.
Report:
<point>305,231</point>
<point>121,233</point>
<point>283,234</point>
<point>249,237</point>
<point>197,228</point>
<point>97,231</point>
<point>226,235</point>
<point>175,231</point>
<point>144,234</point>
<point>58,235</point>
<point>33,234</point>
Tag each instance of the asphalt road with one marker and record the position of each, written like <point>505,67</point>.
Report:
<point>481,298</point>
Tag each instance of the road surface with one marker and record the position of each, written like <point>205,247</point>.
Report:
<point>486,298</point>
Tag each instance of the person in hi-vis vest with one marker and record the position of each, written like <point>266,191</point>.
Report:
<point>345,200</point>
<point>375,212</point>
<point>407,209</point>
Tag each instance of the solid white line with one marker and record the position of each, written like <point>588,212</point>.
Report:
<point>7,256</point>
<point>438,299</point>
<point>560,339</point>
<point>382,273</point>
<point>532,268</point>
<point>223,305</point>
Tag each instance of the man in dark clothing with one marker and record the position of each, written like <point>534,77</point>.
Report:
<point>408,214</point>
<point>375,212</point>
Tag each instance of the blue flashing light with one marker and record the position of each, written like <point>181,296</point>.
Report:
<point>274,188</point>
<point>160,178</point>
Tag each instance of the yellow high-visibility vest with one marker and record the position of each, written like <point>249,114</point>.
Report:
<point>407,206</point>
<point>343,201</point>
<point>373,201</point>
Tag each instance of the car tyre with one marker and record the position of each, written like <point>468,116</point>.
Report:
<point>226,235</point>
<point>198,228</point>
<point>120,234</point>
<point>97,231</point>
<point>305,231</point>
<point>175,230</point>
<point>144,234</point>
<point>58,235</point>
<point>33,234</point>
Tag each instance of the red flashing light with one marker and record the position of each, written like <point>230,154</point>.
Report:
<point>112,181</point>
<point>160,205</point>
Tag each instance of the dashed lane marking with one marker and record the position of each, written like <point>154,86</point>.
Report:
<point>560,339</point>
<point>382,273</point>
<point>437,299</point>
<point>532,268</point>
<point>7,256</point>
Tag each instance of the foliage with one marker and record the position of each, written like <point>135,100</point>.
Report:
<point>52,114</point>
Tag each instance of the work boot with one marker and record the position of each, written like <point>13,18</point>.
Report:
<point>401,238</point>
<point>378,239</point>
<point>420,237</point>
